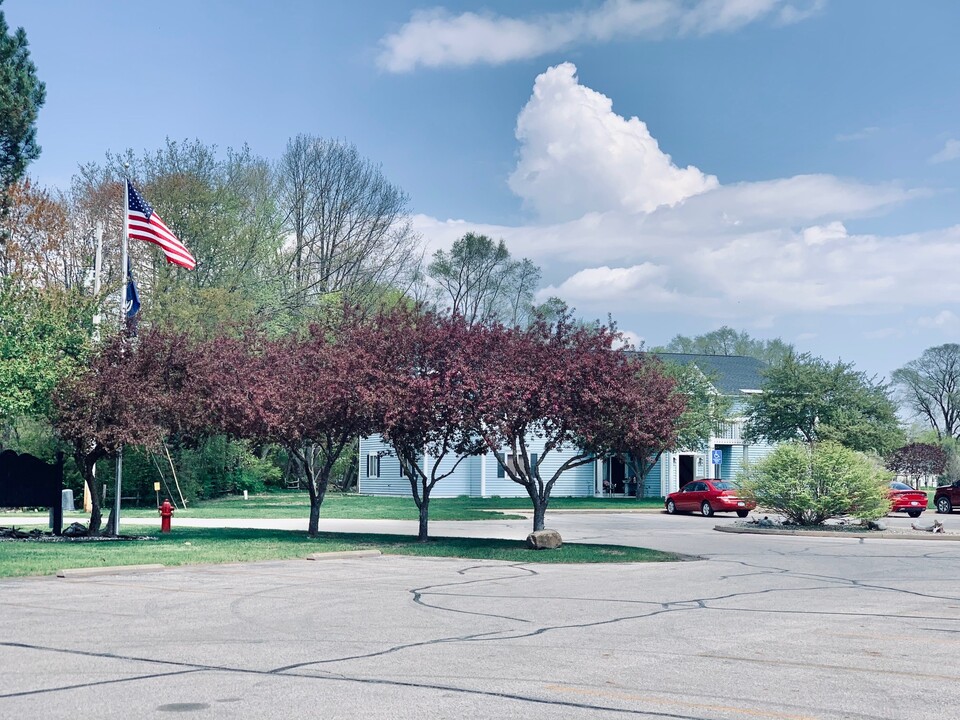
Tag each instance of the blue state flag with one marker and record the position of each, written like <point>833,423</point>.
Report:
<point>132,303</point>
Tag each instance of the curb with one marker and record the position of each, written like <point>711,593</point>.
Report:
<point>873,535</point>
<point>583,511</point>
<point>114,570</point>
<point>341,554</point>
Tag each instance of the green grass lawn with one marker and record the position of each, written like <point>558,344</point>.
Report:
<point>220,545</point>
<point>367,507</point>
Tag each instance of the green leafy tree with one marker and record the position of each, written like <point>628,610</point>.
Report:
<point>930,387</point>
<point>21,96</point>
<point>221,205</point>
<point>44,339</point>
<point>811,399</point>
<point>727,341</point>
<point>480,281</point>
<point>811,484</point>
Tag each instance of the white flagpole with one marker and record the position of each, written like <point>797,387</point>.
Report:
<point>97,269</point>
<point>123,321</point>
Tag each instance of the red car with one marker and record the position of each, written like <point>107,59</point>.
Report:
<point>904,498</point>
<point>708,496</point>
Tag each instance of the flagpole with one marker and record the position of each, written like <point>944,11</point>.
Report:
<point>97,269</point>
<point>123,320</point>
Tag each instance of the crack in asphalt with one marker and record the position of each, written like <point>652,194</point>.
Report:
<point>191,668</point>
<point>423,595</point>
<point>133,678</point>
<point>419,592</point>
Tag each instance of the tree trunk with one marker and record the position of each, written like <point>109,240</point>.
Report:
<point>316,498</point>
<point>539,514</point>
<point>111,529</point>
<point>317,481</point>
<point>422,535</point>
<point>421,498</point>
<point>314,524</point>
<point>96,516</point>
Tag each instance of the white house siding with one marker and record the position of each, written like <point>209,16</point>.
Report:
<point>652,482</point>
<point>466,479</point>
<point>731,461</point>
<point>575,482</point>
<point>735,457</point>
<point>758,452</point>
<point>390,482</point>
<point>501,486</point>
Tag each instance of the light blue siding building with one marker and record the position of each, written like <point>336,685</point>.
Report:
<point>733,376</point>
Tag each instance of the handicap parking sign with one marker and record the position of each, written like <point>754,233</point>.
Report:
<point>717,457</point>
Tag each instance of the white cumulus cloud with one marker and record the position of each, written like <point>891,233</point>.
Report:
<point>622,229</point>
<point>578,156</point>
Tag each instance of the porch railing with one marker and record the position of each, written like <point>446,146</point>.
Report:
<point>732,431</point>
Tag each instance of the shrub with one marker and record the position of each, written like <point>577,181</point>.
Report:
<point>810,485</point>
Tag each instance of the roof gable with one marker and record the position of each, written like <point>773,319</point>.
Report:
<point>730,374</point>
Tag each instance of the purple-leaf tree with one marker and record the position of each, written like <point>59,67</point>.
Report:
<point>316,395</point>
<point>553,389</point>
<point>644,418</point>
<point>428,398</point>
<point>131,394</point>
<point>917,460</point>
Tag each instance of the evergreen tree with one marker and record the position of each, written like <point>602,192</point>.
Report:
<point>21,96</point>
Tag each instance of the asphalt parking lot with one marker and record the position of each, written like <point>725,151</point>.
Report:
<point>761,627</point>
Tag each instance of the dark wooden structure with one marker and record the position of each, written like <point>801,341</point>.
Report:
<point>27,481</point>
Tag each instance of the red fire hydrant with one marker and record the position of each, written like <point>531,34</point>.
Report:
<point>166,512</point>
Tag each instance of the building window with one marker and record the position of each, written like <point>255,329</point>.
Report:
<point>513,463</point>
<point>373,465</point>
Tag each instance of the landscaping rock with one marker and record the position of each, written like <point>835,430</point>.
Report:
<point>75,529</point>
<point>544,540</point>
<point>877,525</point>
<point>935,527</point>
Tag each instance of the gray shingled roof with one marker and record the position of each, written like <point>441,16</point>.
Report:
<point>730,374</point>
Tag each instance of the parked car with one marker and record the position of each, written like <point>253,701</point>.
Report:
<point>947,497</point>
<point>708,496</point>
<point>904,498</point>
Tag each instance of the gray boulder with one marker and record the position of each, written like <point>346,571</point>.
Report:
<point>935,527</point>
<point>544,540</point>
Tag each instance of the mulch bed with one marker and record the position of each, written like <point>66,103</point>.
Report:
<point>838,528</point>
<point>78,534</point>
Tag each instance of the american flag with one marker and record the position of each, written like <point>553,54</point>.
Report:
<point>145,224</point>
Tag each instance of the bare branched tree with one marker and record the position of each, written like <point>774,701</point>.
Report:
<point>349,229</point>
<point>930,387</point>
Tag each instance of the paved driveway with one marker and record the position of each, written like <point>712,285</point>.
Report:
<point>763,627</point>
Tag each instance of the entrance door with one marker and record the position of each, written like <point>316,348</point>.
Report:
<point>686,469</point>
<point>614,474</point>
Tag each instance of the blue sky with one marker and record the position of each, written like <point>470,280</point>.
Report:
<point>787,167</point>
